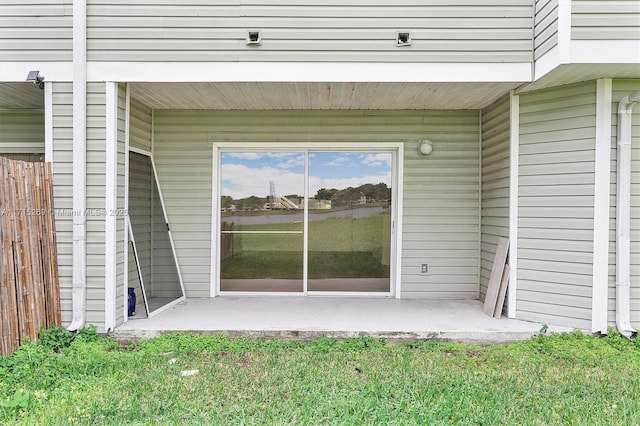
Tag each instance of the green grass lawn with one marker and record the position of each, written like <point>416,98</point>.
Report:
<point>558,379</point>
<point>338,248</point>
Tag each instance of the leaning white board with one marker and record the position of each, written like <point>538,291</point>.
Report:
<point>497,271</point>
<point>504,282</point>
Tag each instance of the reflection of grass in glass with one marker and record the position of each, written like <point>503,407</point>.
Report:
<point>332,264</point>
<point>338,247</point>
<point>263,264</point>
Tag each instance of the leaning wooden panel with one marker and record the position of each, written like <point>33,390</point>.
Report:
<point>497,270</point>
<point>504,283</point>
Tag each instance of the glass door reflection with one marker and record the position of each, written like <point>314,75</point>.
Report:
<point>261,221</point>
<point>349,241</point>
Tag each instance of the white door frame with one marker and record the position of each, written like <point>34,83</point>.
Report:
<point>397,151</point>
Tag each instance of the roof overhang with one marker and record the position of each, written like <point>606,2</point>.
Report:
<point>319,95</point>
<point>309,85</point>
<point>574,73</point>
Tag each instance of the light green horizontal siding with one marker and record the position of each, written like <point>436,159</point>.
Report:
<point>605,20</point>
<point>441,191</point>
<point>621,88</point>
<point>96,186</point>
<point>495,184</point>
<point>545,27</point>
<point>22,131</point>
<point>555,216</point>
<point>140,126</point>
<point>294,30</point>
<point>63,189</point>
<point>63,193</point>
<point>120,205</point>
<point>36,30</point>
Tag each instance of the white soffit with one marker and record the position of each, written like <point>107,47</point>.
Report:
<point>315,95</point>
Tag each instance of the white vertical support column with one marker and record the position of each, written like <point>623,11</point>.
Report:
<point>514,153</point>
<point>111,204</point>
<point>151,195</point>
<point>479,275</point>
<point>564,31</point>
<point>397,220</point>
<point>48,122</point>
<point>601,206</point>
<point>125,238</point>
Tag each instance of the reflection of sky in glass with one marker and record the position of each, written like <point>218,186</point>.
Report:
<point>249,173</point>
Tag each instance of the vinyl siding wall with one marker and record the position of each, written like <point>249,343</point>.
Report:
<point>605,20</point>
<point>441,191</point>
<point>36,30</point>
<point>21,131</point>
<point>120,205</point>
<point>556,187</point>
<point>295,30</point>
<point>96,203</point>
<point>546,27</point>
<point>621,88</point>
<point>140,126</point>
<point>495,183</point>
<point>63,189</point>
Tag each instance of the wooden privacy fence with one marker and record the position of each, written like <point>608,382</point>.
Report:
<point>29,287</point>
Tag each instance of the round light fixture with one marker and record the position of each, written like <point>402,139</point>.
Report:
<point>425,146</point>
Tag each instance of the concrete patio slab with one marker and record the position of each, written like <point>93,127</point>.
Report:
<point>311,317</point>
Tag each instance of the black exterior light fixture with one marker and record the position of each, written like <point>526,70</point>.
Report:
<point>36,79</point>
<point>403,38</point>
<point>254,37</point>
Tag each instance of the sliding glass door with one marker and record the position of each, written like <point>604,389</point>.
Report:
<point>261,221</point>
<point>349,239</point>
<point>305,221</point>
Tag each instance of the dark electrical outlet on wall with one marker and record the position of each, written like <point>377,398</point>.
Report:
<point>424,269</point>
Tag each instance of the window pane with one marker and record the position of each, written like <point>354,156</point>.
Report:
<point>261,230</point>
<point>349,221</point>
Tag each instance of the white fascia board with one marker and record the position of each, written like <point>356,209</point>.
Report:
<point>605,52</point>
<point>601,208</point>
<point>51,71</point>
<point>193,72</point>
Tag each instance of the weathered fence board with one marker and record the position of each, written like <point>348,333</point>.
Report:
<point>29,287</point>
